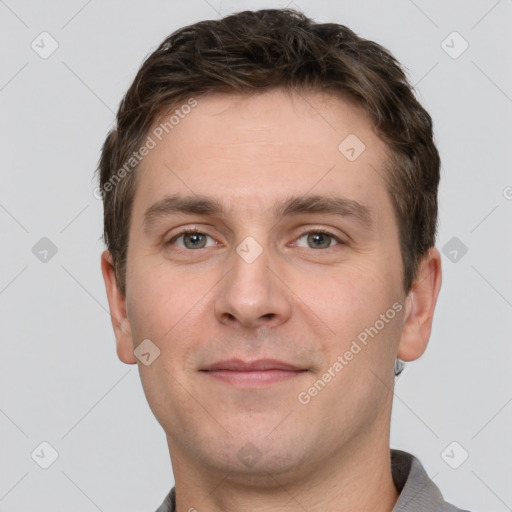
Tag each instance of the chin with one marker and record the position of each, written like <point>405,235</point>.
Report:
<point>254,454</point>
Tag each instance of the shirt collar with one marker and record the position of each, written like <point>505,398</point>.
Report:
<point>418,492</point>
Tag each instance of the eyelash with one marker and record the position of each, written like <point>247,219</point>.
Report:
<point>198,231</point>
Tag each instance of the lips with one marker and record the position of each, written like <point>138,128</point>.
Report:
<point>237,365</point>
<point>252,374</point>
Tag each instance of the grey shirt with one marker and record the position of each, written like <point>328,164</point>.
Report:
<point>417,491</point>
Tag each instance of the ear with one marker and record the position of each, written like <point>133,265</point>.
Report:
<point>117,305</point>
<point>419,308</point>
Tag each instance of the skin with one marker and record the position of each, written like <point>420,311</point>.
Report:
<point>295,302</point>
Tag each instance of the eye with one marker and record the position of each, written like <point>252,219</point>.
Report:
<point>318,240</point>
<point>191,240</point>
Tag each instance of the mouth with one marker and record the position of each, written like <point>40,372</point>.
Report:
<point>254,374</point>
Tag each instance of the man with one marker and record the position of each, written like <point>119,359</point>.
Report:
<point>270,208</point>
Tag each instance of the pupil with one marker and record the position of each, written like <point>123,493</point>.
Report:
<point>194,240</point>
<point>319,240</point>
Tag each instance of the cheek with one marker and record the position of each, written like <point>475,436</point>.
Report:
<point>349,304</point>
<point>159,300</point>
<point>172,310</point>
<point>355,291</point>
<point>166,311</point>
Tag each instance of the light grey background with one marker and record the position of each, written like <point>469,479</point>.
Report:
<point>60,379</point>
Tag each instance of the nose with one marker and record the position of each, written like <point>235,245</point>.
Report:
<point>251,295</point>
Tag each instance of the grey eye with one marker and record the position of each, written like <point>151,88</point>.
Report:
<point>317,240</point>
<point>194,240</point>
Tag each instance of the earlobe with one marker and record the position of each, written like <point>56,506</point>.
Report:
<point>118,314</point>
<point>420,306</point>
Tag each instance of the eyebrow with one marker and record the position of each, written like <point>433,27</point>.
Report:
<point>308,204</point>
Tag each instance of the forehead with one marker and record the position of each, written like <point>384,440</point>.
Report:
<point>249,149</point>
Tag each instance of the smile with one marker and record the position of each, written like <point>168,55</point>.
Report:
<point>254,378</point>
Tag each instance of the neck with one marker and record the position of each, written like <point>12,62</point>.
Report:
<point>357,479</point>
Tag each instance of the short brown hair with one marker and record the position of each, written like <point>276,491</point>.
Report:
<point>253,51</point>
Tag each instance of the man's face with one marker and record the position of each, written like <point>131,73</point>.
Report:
<point>272,275</point>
